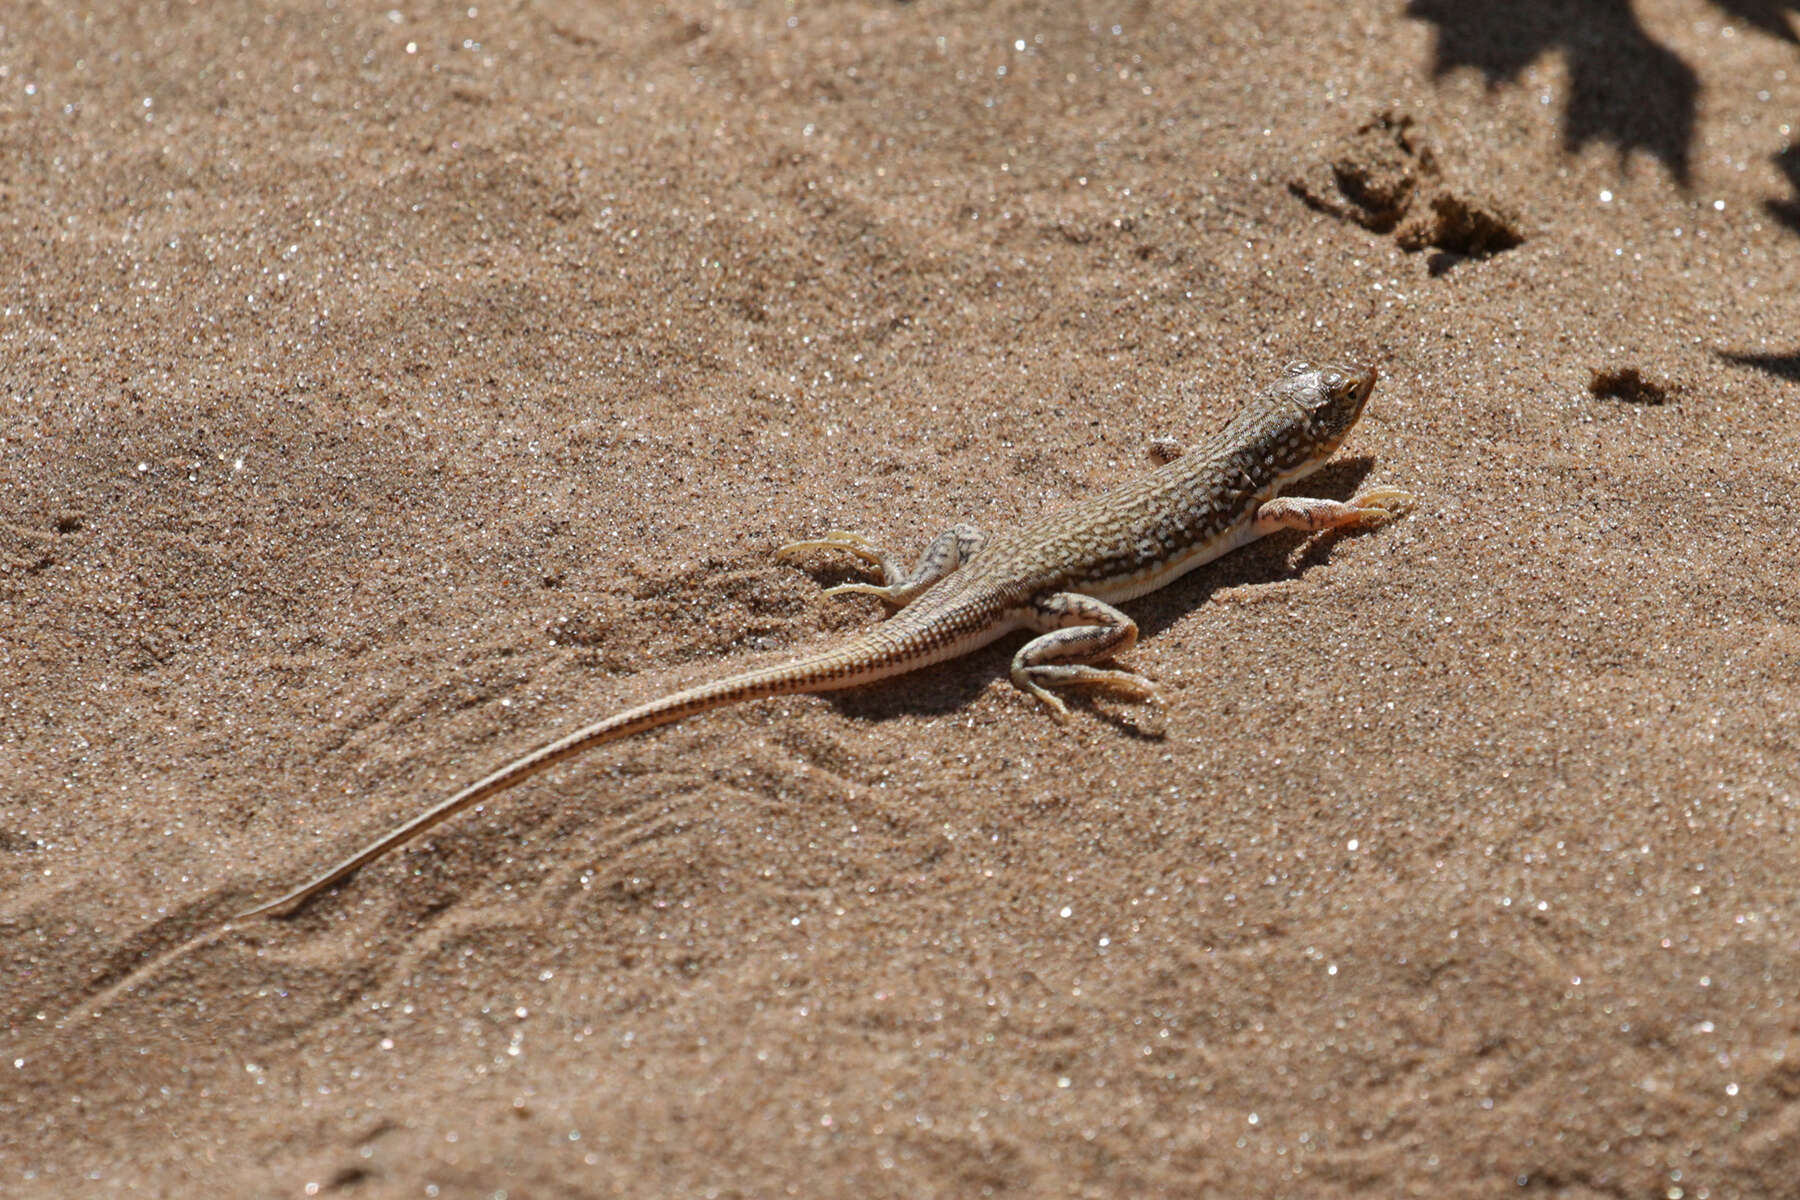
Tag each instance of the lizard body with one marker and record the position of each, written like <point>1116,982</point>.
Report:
<point>1058,577</point>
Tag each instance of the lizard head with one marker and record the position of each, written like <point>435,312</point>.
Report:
<point>1331,395</point>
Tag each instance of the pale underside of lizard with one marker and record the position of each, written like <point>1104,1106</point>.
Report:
<point>1057,577</point>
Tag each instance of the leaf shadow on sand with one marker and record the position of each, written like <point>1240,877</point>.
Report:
<point>1625,88</point>
<point>1788,211</point>
<point>1770,16</point>
<point>1783,366</point>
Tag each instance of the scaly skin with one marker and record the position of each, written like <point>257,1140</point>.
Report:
<point>1057,577</point>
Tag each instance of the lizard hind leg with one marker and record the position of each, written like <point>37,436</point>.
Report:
<point>949,550</point>
<point>1077,631</point>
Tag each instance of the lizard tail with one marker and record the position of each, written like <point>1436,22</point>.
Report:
<point>842,666</point>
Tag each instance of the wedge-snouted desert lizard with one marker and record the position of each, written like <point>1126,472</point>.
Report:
<point>1058,577</point>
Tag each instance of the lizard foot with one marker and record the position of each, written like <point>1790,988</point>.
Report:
<point>837,539</point>
<point>1128,684</point>
<point>1379,505</point>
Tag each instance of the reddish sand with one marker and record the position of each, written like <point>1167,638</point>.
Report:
<point>383,393</point>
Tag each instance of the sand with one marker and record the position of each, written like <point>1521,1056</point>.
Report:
<point>386,391</point>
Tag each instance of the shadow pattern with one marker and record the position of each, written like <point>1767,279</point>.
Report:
<point>1788,211</point>
<point>1783,366</point>
<point>1770,16</point>
<point>1626,89</point>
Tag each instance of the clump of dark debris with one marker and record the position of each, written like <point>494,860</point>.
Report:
<point>1628,384</point>
<point>1386,179</point>
<point>1375,176</point>
<point>1456,225</point>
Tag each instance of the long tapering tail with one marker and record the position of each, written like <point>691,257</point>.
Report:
<point>846,665</point>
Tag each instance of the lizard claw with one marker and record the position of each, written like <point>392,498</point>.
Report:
<point>1388,499</point>
<point>863,589</point>
<point>1059,711</point>
<point>1378,506</point>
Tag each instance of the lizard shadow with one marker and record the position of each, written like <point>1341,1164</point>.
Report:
<point>1267,560</point>
<point>952,686</point>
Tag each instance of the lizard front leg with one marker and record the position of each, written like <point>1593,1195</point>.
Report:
<point>1077,631</point>
<point>948,551</point>
<point>1377,506</point>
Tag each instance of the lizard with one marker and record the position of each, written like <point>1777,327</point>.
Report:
<point>1058,577</point>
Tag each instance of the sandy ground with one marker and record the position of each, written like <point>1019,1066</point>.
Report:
<point>385,391</point>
